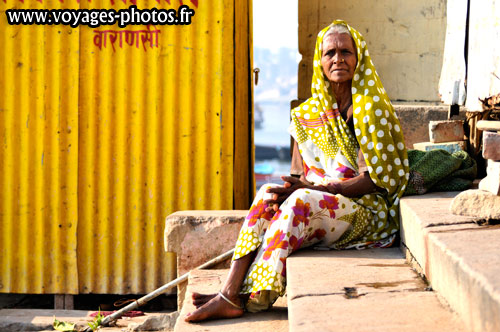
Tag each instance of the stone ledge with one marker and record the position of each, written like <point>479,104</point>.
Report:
<point>365,290</point>
<point>199,236</point>
<point>458,257</point>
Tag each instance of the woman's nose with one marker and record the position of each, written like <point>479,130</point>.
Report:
<point>336,58</point>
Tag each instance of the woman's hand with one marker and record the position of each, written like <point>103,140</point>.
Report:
<point>280,194</point>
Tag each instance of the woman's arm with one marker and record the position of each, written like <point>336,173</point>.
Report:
<point>355,187</point>
<point>296,167</point>
<point>296,181</point>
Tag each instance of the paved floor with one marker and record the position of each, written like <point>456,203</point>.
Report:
<point>42,320</point>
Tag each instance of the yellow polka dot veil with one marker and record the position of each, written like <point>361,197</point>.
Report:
<point>377,131</point>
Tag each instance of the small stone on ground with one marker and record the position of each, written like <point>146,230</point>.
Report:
<point>476,203</point>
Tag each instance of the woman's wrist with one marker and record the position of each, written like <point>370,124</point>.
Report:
<point>332,188</point>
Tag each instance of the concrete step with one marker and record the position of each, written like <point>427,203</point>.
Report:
<point>210,281</point>
<point>366,290</point>
<point>458,257</point>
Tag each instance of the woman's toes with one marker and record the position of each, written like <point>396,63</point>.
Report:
<point>201,299</point>
<point>196,295</point>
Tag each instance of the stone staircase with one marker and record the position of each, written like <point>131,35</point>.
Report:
<point>370,290</point>
<point>458,256</point>
<point>379,289</point>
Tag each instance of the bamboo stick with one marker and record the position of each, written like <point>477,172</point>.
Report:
<point>146,298</point>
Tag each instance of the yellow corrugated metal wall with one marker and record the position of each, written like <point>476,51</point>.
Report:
<point>100,144</point>
<point>38,155</point>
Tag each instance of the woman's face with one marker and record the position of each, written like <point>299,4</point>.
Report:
<point>338,57</point>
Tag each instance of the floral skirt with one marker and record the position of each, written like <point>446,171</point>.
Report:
<point>305,218</point>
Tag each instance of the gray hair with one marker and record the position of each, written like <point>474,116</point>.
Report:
<point>336,28</point>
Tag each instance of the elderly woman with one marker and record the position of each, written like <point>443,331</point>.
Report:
<point>355,169</point>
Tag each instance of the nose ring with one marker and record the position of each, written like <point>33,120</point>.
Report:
<point>342,60</point>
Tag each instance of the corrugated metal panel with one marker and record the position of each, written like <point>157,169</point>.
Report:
<point>244,185</point>
<point>99,145</point>
<point>38,155</point>
<point>156,136</point>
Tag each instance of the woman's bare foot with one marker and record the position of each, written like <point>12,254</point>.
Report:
<point>215,308</point>
<point>201,299</point>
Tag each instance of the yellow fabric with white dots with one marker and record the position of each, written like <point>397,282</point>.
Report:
<point>377,132</point>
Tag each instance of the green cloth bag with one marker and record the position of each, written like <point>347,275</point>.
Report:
<point>439,170</point>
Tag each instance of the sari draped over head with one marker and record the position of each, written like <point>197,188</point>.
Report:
<point>377,132</point>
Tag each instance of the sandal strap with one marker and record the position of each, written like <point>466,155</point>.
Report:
<point>229,301</point>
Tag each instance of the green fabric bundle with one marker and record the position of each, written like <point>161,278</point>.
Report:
<point>438,170</point>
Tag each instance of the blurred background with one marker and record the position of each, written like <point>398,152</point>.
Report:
<point>276,55</point>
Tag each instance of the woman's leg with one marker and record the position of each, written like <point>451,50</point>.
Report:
<point>217,307</point>
<point>307,217</point>
<point>212,305</point>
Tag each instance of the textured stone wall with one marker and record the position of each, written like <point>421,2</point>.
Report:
<point>405,40</point>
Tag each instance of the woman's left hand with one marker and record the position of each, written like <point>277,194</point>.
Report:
<point>280,194</point>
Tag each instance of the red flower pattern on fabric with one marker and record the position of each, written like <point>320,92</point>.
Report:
<point>318,171</point>
<point>331,203</point>
<point>295,243</point>
<point>257,212</point>
<point>301,212</point>
<point>276,216</point>
<point>318,234</point>
<point>347,172</point>
<point>283,261</point>
<point>276,242</point>
<point>305,167</point>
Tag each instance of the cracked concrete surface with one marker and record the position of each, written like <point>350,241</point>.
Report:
<point>367,290</point>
